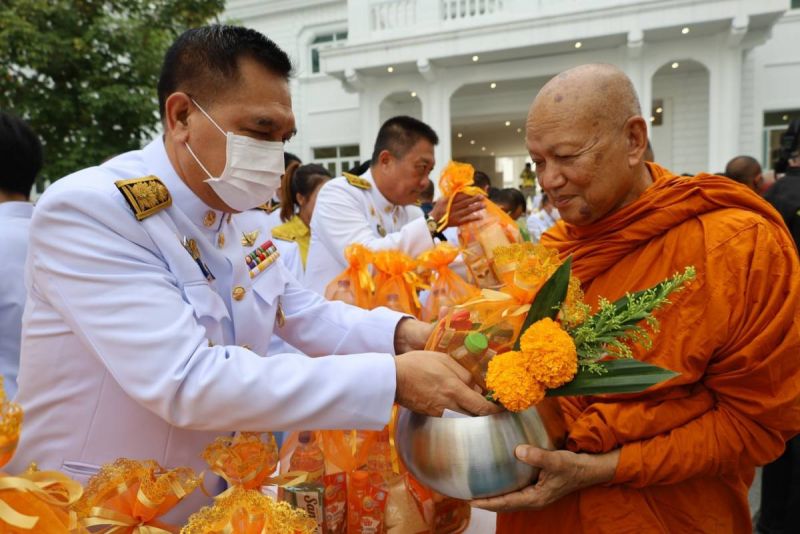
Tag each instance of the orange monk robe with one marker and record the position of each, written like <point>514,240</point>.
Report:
<point>690,445</point>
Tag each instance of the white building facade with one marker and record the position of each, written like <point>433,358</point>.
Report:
<point>718,78</point>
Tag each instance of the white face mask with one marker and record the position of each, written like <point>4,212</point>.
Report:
<point>252,173</point>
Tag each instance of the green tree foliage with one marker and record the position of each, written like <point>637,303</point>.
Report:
<point>84,72</point>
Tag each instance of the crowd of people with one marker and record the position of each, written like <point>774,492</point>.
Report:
<point>146,335</point>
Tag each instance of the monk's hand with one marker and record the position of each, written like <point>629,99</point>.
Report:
<point>464,209</point>
<point>411,334</point>
<point>430,382</point>
<point>562,472</point>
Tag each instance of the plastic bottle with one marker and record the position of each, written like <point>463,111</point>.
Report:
<point>471,352</point>
<point>308,457</point>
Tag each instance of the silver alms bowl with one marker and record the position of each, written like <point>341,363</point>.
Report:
<point>473,457</point>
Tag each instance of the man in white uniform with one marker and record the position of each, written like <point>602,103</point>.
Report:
<point>21,157</point>
<point>377,209</point>
<point>146,326</point>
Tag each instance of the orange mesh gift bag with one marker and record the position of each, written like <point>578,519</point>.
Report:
<point>354,285</point>
<point>472,333</point>
<point>34,501</point>
<point>447,288</point>
<point>396,282</point>
<point>478,239</point>
<point>129,496</point>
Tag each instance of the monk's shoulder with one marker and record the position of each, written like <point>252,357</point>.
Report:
<point>731,226</point>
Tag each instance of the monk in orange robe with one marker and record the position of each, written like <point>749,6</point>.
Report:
<point>680,456</point>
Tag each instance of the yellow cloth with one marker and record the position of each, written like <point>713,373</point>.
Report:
<point>295,230</point>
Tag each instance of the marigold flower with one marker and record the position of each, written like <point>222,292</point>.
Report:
<point>551,354</point>
<point>512,383</point>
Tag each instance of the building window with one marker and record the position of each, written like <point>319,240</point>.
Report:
<point>337,159</point>
<point>321,41</point>
<point>795,4</point>
<point>775,123</point>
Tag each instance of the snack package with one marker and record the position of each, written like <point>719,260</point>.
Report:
<point>366,504</point>
<point>396,282</point>
<point>354,285</point>
<point>478,239</point>
<point>309,497</point>
<point>447,288</point>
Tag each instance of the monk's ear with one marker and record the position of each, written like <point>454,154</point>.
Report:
<point>636,136</point>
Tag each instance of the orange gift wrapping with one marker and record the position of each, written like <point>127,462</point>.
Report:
<point>247,460</point>
<point>128,497</point>
<point>447,288</point>
<point>354,285</point>
<point>396,282</point>
<point>410,507</point>
<point>242,511</point>
<point>478,239</point>
<point>474,331</point>
<point>34,501</point>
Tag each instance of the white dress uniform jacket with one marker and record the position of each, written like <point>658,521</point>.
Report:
<point>346,214</point>
<point>129,350</point>
<point>15,217</point>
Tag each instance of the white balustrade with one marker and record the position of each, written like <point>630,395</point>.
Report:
<point>392,14</point>
<point>469,9</point>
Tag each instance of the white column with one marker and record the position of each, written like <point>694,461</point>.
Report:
<point>637,71</point>
<point>358,14</point>
<point>725,96</point>
<point>724,108</point>
<point>436,113</point>
<point>369,113</point>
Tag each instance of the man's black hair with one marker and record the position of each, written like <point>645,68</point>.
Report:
<point>399,134</point>
<point>203,60</point>
<point>482,180</point>
<point>509,197</point>
<point>288,157</point>
<point>21,154</point>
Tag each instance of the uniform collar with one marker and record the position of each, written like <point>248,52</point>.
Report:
<point>184,198</point>
<point>16,208</point>
<point>382,204</point>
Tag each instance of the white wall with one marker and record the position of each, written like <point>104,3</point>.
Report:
<point>688,95</point>
<point>773,70</point>
<point>326,115</point>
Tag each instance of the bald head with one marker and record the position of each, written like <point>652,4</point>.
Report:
<point>745,170</point>
<point>597,92</point>
<point>587,136</point>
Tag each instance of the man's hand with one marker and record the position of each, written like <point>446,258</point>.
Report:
<point>464,209</point>
<point>411,334</point>
<point>562,472</point>
<point>430,382</point>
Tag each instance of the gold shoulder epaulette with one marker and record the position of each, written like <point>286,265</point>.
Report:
<point>145,196</point>
<point>357,181</point>
<point>269,207</point>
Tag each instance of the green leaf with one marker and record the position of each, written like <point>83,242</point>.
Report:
<point>621,376</point>
<point>549,298</point>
